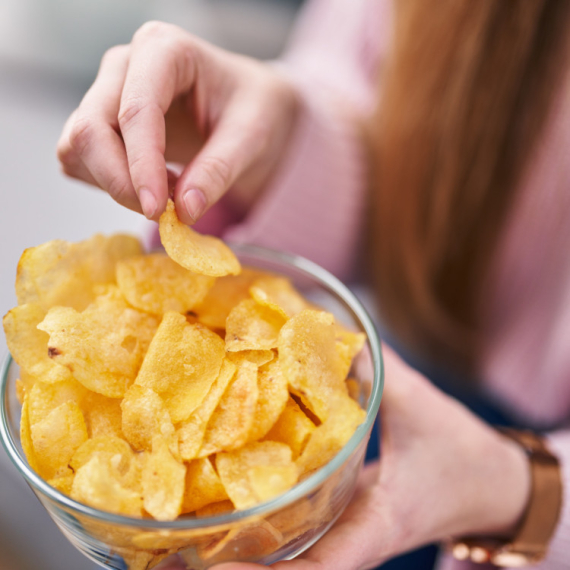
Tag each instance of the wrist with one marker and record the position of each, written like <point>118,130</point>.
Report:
<point>501,490</point>
<point>528,543</point>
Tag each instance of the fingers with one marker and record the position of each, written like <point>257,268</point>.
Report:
<point>90,147</point>
<point>238,140</point>
<point>160,68</point>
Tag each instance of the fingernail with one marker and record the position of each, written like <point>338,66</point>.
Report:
<point>148,202</point>
<point>195,203</point>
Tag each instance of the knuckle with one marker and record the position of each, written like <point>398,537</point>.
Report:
<point>118,189</point>
<point>129,111</point>
<point>80,135</point>
<point>114,53</point>
<point>68,169</point>
<point>137,160</point>
<point>152,30</point>
<point>218,171</point>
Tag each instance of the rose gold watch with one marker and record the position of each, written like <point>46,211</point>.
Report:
<point>530,542</point>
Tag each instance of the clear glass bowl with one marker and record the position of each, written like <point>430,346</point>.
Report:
<point>279,529</point>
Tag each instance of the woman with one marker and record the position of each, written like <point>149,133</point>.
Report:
<point>470,215</point>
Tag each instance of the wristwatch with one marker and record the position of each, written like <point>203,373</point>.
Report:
<point>530,541</point>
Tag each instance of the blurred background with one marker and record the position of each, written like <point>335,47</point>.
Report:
<point>49,54</point>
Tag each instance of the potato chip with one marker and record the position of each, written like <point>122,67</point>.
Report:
<point>102,415</point>
<point>57,437</point>
<point>248,542</point>
<point>251,326</point>
<point>273,395</point>
<point>354,389</point>
<point>279,294</point>
<point>231,423</point>
<point>29,346</point>
<point>44,398</point>
<point>144,416</point>
<point>310,360</point>
<point>63,484</point>
<point>203,486</point>
<point>117,450</point>
<point>20,391</point>
<point>215,509</point>
<point>205,255</point>
<point>62,273</point>
<point>293,427</point>
<point>343,417</point>
<point>163,479</point>
<point>103,346</point>
<point>26,436</point>
<point>268,481</point>
<point>181,364</point>
<point>97,483</point>
<point>295,518</point>
<point>234,467</point>
<point>156,284</point>
<point>226,293</point>
<point>348,345</point>
<point>27,379</point>
<point>258,357</point>
<point>191,432</point>
<point>140,560</point>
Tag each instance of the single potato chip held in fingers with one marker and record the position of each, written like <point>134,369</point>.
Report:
<point>206,255</point>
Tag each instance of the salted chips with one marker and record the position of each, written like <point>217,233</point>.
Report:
<point>201,254</point>
<point>166,386</point>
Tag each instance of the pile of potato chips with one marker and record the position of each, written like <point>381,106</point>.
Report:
<point>158,386</point>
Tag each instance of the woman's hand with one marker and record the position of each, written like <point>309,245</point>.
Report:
<point>442,473</point>
<point>169,96</point>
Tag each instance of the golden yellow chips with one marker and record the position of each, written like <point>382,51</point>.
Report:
<point>154,283</point>
<point>103,346</point>
<point>251,326</point>
<point>43,398</point>
<point>97,483</point>
<point>144,416</point>
<point>57,437</point>
<point>26,436</point>
<point>226,293</point>
<point>29,346</point>
<point>343,417</point>
<point>278,294</point>
<point>102,415</point>
<point>152,388</point>
<point>232,420</point>
<point>163,480</point>
<point>181,364</point>
<point>273,395</point>
<point>258,357</point>
<point>191,431</point>
<point>235,467</point>
<point>201,254</point>
<point>203,486</point>
<point>292,427</point>
<point>310,360</point>
<point>62,273</point>
<point>117,450</point>
<point>268,481</point>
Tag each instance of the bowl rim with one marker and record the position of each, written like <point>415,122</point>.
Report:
<point>309,269</point>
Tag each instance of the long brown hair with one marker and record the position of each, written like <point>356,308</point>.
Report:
<point>462,103</point>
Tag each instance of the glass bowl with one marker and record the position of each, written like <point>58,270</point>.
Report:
<point>278,529</point>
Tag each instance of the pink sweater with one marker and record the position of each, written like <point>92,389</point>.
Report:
<point>314,207</point>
